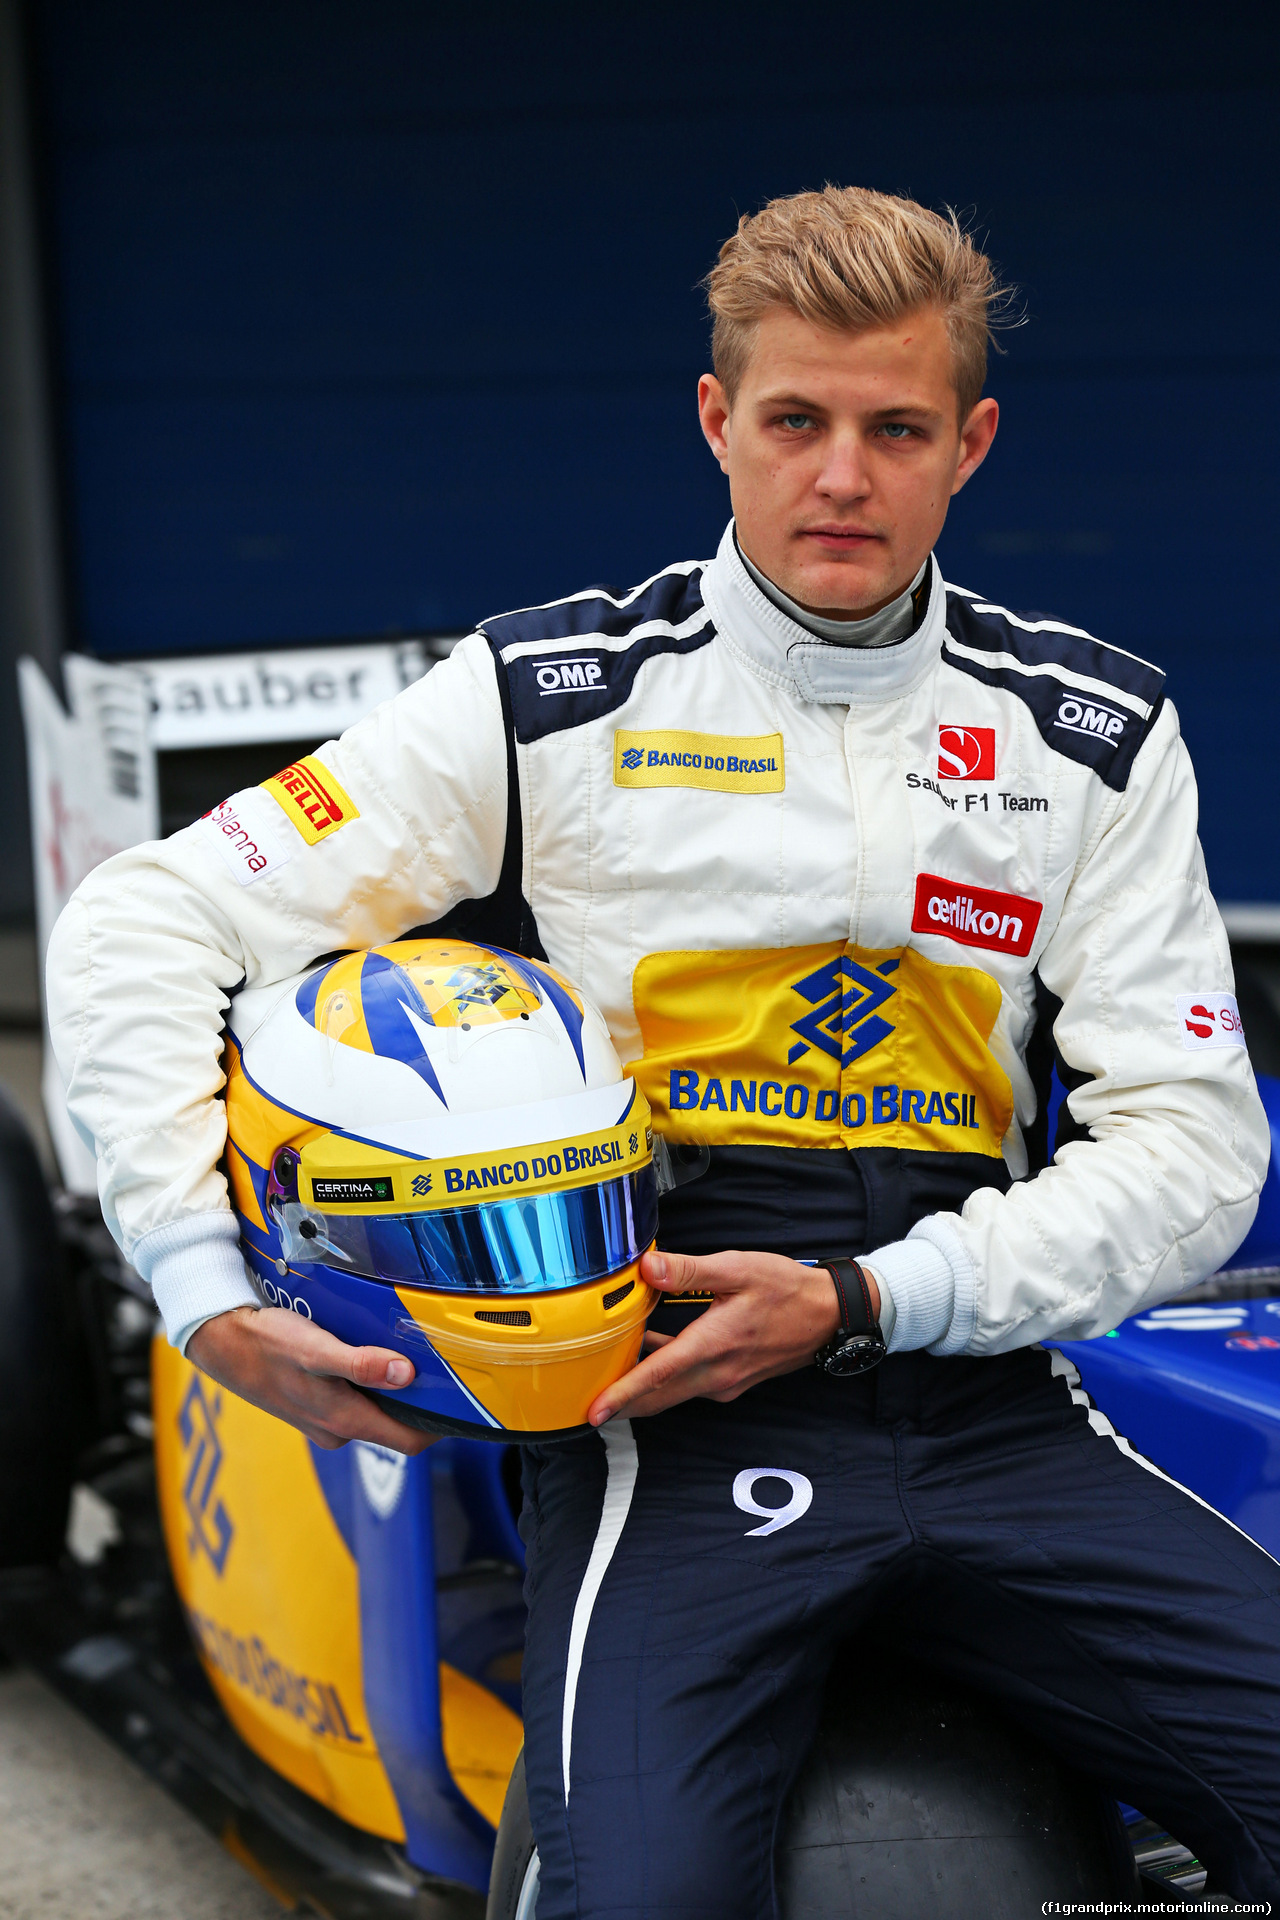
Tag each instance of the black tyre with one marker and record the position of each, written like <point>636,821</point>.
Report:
<point>917,1802</point>
<point>513,1883</point>
<point>920,1799</point>
<point>42,1417</point>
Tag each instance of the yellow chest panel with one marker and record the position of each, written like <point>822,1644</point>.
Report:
<point>822,1046</point>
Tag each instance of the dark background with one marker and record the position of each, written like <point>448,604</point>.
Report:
<point>374,318</point>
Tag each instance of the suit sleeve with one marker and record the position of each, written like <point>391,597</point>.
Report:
<point>1163,1186</point>
<point>149,949</point>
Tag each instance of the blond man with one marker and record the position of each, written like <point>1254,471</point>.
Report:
<point>848,857</point>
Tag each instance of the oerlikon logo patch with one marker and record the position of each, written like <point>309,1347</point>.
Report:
<point>975,916</point>
<point>966,753</point>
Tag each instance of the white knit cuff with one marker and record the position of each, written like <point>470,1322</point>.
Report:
<point>888,1317</point>
<point>935,1232</point>
<point>932,1283</point>
<point>195,1270</point>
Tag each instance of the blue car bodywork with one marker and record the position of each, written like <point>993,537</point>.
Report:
<point>1195,1385</point>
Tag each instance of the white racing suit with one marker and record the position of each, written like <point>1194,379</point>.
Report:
<point>842,910</point>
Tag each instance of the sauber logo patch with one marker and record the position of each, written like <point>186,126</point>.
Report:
<point>966,753</point>
<point>311,798</point>
<point>1210,1020</point>
<point>716,762</point>
<point>975,916</point>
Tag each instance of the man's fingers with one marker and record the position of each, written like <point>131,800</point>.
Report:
<point>675,1365</point>
<point>378,1367</point>
<point>322,1353</point>
<point>339,1414</point>
<point>673,1272</point>
<point>697,1273</point>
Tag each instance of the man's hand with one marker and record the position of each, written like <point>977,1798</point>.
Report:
<point>770,1316</point>
<point>288,1366</point>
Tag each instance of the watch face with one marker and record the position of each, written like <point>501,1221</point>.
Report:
<point>857,1354</point>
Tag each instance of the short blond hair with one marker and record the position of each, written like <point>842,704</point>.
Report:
<point>851,259</point>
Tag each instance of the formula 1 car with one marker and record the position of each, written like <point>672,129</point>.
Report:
<point>319,1653</point>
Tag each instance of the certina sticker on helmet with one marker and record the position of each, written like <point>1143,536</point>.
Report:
<point>1210,1020</point>
<point>243,837</point>
<point>311,799</point>
<point>716,762</point>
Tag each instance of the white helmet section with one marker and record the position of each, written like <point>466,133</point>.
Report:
<point>508,1083</point>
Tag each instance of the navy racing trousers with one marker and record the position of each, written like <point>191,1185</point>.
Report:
<point>691,1575</point>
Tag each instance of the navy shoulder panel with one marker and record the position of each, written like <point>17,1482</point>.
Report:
<point>577,659</point>
<point>1093,703</point>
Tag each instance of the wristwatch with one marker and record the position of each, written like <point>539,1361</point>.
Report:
<point>859,1344</point>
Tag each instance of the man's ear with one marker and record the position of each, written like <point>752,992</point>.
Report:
<point>976,435</point>
<point>713,412</point>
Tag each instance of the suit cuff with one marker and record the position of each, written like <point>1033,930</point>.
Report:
<point>195,1270</point>
<point>934,1292</point>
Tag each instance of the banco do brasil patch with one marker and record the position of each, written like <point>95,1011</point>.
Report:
<point>716,762</point>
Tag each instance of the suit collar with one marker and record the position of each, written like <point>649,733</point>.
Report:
<point>786,655</point>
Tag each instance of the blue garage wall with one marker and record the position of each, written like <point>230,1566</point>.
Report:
<point>378,317</point>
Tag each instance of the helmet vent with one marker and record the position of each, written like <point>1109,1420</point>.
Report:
<point>513,1317</point>
<point>619,1293</point>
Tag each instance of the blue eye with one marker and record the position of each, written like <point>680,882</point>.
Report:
<point>895,430</point>
<point>796,421</point>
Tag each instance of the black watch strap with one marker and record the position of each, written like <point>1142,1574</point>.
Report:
<point>853,1293</point>
<point>859,1344</point>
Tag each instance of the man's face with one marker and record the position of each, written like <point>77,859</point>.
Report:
<point>843,451</point>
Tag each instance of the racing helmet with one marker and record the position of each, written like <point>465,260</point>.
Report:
<point>431,1147</point>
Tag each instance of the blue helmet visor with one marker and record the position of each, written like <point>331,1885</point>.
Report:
<point>533,1245</point>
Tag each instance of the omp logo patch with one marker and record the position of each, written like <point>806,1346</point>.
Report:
<point>1081,715</point>
<point>716,762</point>
<point>975,916</point>
<point>966,753</point>
<point>581,675</point>
<point>844,997</point>
<point>311,799</point>
<point>209,1526</point>
<point>1210,1020</point>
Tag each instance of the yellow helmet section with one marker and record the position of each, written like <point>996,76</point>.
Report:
<point>537,1361</point>
<point>448,983</point>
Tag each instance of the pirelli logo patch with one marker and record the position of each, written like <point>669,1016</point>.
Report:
<point>311,798</point>
<point>716,762</point>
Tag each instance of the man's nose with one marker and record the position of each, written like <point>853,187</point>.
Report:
<point>845,473</point>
